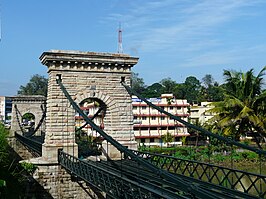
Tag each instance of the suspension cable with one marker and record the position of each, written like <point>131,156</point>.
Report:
<point>203,131</point>
<point>19,124</point>
<point>184,186</point>
<point>39,124</point>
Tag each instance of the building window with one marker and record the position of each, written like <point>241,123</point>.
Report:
<point>134,108</point>
<point>162,107</point>
<point>142,140</point>
<point>143,117</point>
<point>135,118</point>
<point>153,118</point>
<point>171,108</point>
<point>178,108</point>
<point>151,139</point>
<point>143,107</point>
<point>162,117</point>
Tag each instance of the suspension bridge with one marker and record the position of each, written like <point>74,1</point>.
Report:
<point>119,170</point>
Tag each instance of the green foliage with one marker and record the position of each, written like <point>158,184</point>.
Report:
<point>157,149</point>
<point>3,144</point>
<point>215,154</point>
<point>210,91</point>
<point>29,167</point>
<point>246,141</point>
<point>180,91</point>
<point>168,85</point>
<point>243,107</point>
<point>28,116</point>
<point>2,183</point>
<point>155,90</point>
<point>168,137</point>
<point>191,89</point>
<point>36,86</point>
<point>192,85</point>
<point>10,171</point>
<point>137,83</point>
<point>3,153</point>
<point>183,140</point>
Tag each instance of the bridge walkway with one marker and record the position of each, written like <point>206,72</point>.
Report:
<point>141,177</point>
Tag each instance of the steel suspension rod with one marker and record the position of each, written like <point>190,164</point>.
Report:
<point>193,189</point>
<point>203,131</point>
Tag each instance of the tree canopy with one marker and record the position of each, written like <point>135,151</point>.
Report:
<point>192,89</point>
<point>36,86</point>
<point>210,90</point>
<point>243,107</point>
<point>137,83</point>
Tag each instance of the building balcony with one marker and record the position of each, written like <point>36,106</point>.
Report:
<point>158,125</point>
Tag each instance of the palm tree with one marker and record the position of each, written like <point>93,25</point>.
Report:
<point>243,108</point>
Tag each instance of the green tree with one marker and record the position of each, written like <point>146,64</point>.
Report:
<point>168,85</point>
<point>167,138</point>
<point>210,90</point>
<point>3,144</point>
<point>154,90</point>
<point>189,90</point>
<point>36,86</point>
<point>192,87</point>
<point>243,107</point>
<point>180,91</point>
<point>3,155</point>
<point>137,83</point>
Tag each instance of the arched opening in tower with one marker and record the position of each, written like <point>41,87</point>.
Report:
<point>28,122</point>
<point>88,140</point>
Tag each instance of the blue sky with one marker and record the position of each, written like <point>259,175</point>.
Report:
<point>172,38</point>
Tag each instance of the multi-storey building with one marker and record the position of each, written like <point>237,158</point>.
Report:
<point>199,112</point>
<point>150,125</point>
<point>5,109</point>
<point>90,108</point>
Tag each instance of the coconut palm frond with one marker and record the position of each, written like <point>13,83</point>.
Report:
<point>244,104</point>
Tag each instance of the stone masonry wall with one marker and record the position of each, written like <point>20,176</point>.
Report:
<point>87,75</point>
<point>19,148</point>
<point>53,181</point>
<point>58,183</point>
<point>27,104</point>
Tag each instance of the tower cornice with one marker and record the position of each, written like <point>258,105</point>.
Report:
<point>72,60</point>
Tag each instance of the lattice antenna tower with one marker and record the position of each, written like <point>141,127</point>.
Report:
<point>120,47</point>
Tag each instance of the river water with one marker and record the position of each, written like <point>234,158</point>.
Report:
<point>248,183</point>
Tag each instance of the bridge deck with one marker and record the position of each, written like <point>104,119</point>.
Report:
<point>134,171</point>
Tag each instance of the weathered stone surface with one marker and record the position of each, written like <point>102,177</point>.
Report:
<point>34,104</point>
<point>87,75</point>
<point>60,185</point>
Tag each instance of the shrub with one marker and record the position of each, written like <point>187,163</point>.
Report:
<point>29,167</point>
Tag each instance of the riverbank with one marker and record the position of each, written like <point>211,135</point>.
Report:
<point>222,156</point>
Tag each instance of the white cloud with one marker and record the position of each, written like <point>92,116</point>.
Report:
<point>172,24</point>
<point>191,36</point>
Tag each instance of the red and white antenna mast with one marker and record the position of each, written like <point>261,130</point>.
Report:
<point>120,47</point>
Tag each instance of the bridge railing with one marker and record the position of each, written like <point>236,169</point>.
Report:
<point>30,143</point>
<point>115,185</point>
<point>250,183</point>
<point>182,185</point>
<point>202,131</point>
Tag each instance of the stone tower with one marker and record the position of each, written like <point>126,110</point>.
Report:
<point>87,75</point>
<point>23,104</point>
